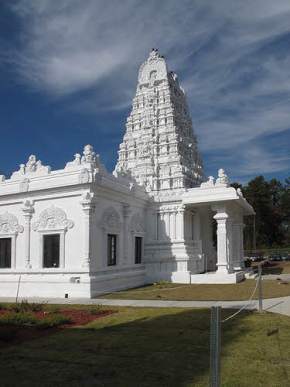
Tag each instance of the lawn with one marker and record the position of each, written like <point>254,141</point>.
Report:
<point>180,292</point>
<point>153,347</point>
<point>277,268</point>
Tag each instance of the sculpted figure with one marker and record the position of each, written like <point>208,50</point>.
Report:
<point>31,164</point>
<point>222,177</point>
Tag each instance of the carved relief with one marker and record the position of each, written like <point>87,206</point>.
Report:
<point>137,224</point>
<point>89,160</point>
<point>209,183</point>
<point>84,176</point>
<point>33,166</point>
<point>111,219</point>
<point>9,224</point>
<point>52,218</point>
<point>222,179</point>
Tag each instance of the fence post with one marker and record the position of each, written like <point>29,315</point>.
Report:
<point>215,346</point>
<point>260,288</point>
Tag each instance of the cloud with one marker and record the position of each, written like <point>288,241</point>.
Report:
<point>233,58</point>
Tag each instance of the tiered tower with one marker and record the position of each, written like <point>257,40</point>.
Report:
<point>159,148</point>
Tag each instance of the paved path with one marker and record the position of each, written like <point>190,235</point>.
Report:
<point>285,277</point>
<point>276,305</point>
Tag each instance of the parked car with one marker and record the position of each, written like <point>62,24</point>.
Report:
<point>256,258</point>
<point>275,257</point>
<point>286,257</point>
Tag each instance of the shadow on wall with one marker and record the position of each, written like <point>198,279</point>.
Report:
<point>157,349</point>
<point>173,254</point>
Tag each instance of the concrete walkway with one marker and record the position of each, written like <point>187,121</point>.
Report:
<point>276,305</point>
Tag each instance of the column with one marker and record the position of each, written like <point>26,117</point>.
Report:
<point>222,241</point>
<point>180,223</point>
<point>167,224</point>
<point>238,245</point>
<point>196,226</point>
<point>27,213</point>
<point>161,226</point>
<point>172,224</point>
<point>88,207</point>
<point>126,213</point>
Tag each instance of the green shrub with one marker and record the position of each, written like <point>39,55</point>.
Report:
<point>18,318</point>
<point>29,319</point>
<point>53,320</point>
<point>25,306</point>
<point>53,309</point>
<point>3,306</point>
<point>96,309</point>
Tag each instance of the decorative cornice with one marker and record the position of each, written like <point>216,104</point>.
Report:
<point>33,167</point>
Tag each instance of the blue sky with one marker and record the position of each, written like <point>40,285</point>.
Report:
<point>68,72</point>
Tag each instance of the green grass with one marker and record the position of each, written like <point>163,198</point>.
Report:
<point>153,347</point>
<point>179,292</point>
<point>277,268</point>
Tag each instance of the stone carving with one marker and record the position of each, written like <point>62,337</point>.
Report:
<point>111,219</point>
<point>75,162</point>
<point>32,167</point>
<point>155,135</point>
<point>53,218</point>
<point>88,159</point>
<point>209,183</point>
<point>9,224</point>
<point>222,179</point>
<point>28,207</point>
<point>89,155</point>
<point>84,176</point>
<point>137,224</point>
<point>153,55</point>
<point>239,192</point>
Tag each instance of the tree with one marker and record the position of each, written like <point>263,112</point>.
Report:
<point>266,198</point>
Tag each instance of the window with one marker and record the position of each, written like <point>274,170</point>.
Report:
<point>51,249</point>
<point>112,249</point>
<point>5,253</point>
<point>138,249</point>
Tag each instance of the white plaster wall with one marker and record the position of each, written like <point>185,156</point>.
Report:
<point>73,236</point>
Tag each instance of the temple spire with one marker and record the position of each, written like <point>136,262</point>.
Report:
<point>159,148</point>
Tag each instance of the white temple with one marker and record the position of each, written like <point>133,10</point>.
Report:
<point>81,231</point>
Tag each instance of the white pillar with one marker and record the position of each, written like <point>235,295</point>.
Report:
<point>180,222</point>
<point>196,226</point>
<point>172,224</point>
<point>222,241</point>
<point>126,213</point>
<point>88,209</point>
<point>27,213</point>
<point>167,225</point>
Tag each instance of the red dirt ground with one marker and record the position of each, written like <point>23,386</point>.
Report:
<point>10,334</point>
<point>77,316</point>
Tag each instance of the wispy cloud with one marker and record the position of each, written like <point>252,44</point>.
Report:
<point>233,58</point>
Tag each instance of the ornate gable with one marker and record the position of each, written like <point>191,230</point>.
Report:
<point>111,219</point>
<point>9,224</point>
<point>137,224</point>
<point>53,218</point>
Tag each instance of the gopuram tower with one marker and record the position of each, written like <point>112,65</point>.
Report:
<point>159,148</point>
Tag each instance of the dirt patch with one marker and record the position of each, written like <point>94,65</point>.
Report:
<point>77,317</point>
<point>11,334</point>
